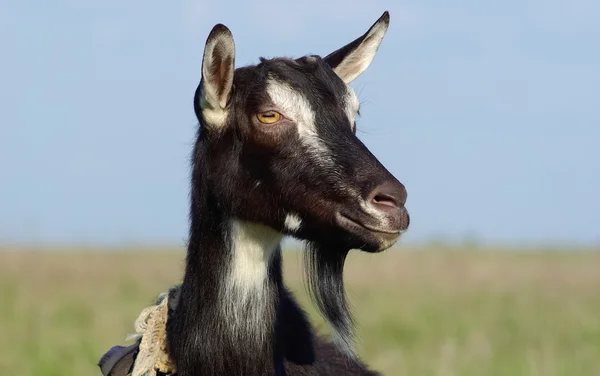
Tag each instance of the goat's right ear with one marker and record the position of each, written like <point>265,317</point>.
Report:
<point>352,59</point>
<point>212,98</point>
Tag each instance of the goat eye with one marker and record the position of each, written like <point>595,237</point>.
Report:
<point>268,117</point>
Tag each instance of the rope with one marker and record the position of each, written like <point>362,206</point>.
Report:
<point>150,326</point>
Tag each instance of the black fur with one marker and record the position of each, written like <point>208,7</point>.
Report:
<point>255,173</point>
<point>325,284</point>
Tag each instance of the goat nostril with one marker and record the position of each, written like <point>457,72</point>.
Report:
<point>388,196</point>
<point>385,200</point>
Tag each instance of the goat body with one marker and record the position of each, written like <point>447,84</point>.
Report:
<point>277,155</point>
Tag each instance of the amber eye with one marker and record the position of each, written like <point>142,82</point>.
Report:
<point>268,117</point>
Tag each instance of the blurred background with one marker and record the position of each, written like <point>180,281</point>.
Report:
<point>487,112</point>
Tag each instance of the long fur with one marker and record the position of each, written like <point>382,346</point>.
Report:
<point>325,283</point>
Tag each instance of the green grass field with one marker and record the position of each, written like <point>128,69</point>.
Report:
<point>425,312</point>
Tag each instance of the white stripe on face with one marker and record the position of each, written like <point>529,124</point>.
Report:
<point>294,106</point>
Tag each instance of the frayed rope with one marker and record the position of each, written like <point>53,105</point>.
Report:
<point>150,326</point>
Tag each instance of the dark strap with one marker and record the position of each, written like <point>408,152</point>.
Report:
<point>118,361</point>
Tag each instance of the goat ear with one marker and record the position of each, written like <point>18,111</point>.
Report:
<point>354,58</point>
<point>217,74</point>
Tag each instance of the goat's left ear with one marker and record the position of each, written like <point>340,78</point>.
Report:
<point>217,76</point>
<point>354,58</point>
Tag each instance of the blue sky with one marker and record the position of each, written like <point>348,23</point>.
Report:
<point>488,112</point>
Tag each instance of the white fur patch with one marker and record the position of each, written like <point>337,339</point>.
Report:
<point>213,116</point>
<point>252,247</point>
<point>352,105</point>
<point>296,107</point>
<point>247,293</point>
<point>292,222</point>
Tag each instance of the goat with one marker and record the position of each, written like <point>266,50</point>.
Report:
<point>277,155</point>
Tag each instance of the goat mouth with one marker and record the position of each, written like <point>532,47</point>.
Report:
<point>349,222</point>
